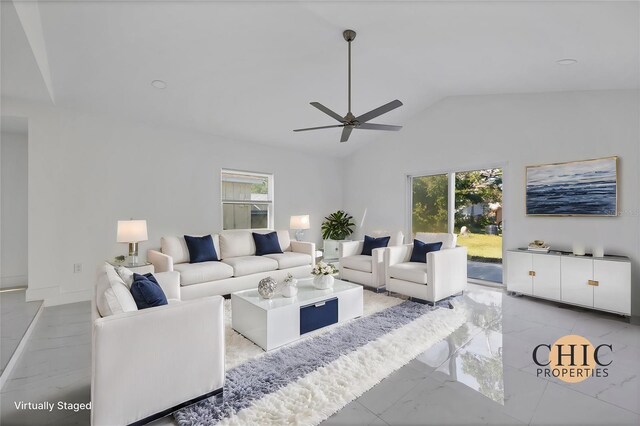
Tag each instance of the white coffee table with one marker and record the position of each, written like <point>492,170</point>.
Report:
<point>271,323</point>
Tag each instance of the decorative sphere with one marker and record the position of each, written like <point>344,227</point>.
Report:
<point>267,287</point>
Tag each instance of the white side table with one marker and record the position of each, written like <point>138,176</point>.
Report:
<point>139,268</point>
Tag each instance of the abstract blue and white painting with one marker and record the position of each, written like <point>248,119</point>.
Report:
<point>577,188</point>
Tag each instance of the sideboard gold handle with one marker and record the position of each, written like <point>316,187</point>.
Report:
<point>593,283</point>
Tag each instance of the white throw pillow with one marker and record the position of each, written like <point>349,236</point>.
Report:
<point>126,275</point>
<point>112,294</point>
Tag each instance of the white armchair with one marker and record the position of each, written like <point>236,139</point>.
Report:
<point>443,275</point>
<point>362,269</point>
<point>147,363</point>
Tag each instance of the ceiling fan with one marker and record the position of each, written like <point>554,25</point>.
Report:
<point>349,121</point>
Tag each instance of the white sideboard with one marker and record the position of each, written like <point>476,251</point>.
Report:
<point>598,283</point>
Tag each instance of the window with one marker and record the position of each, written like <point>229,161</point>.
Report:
<point>247,200</point>
<point>430,203</point>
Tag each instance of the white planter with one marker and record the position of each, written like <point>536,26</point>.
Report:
<point>332,249</point>
<point>323,282</point>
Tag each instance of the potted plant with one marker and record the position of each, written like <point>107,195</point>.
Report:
<point>335,228</point>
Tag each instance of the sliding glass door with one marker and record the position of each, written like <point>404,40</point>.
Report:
<point>468,203</point>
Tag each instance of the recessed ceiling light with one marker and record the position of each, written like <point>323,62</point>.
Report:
<point>566,61</point>
<point>159,84</point>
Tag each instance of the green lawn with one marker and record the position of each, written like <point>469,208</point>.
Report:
<point>482,247</point>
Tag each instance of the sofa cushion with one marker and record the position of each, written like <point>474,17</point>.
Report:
<point>147,292</point>
<point>290,259</point>
<point>266,243</point>
<point>371,243</point>
<point>409,271</point>
<point>247,265</point>
<point>358,262</point>
<point>126,275</point>
<point>196,273</point>
<point>112,294</point>
<point>176,247</point>
<point>448,240</point>
<point>201,249</point>
<point>420,250</point>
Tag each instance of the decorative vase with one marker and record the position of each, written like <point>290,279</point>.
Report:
<point>289,290</point>
<point>267,287</point>
<point>323,282</point>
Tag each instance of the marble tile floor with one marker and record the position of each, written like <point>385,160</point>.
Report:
<point>16,314</point>
<point>482,373</point>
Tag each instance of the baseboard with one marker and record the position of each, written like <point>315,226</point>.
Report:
<point>13,281</point>
<point>165,413</point>
<point>53,297</point>
<point>23,342</point>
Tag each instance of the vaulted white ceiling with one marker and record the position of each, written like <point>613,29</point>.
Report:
<point>249,70</point>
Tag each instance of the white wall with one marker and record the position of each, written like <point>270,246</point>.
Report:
<point>86,172</point>
<point>14,209</point>
<point>467,132</point>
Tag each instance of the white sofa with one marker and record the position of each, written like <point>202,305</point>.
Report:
<point>443,275</point>
<point>147,362</point>
<point>238,269</point>
<point>363,269</point>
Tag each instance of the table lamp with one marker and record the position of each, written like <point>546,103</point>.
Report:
<point>299,223</point>
<point>132,232</point>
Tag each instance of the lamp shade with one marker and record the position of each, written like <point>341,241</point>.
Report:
<point>299,222</point>
<point>132,231</point>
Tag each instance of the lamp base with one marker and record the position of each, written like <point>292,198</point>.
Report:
<point>133,253</point>
<point>299,234</point>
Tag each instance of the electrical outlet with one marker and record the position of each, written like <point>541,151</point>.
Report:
<point>77,268</point>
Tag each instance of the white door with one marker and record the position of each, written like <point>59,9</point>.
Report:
<point>546,281</point>
<point>518,268</point>
<point>575,276</point>
<point>613,290</point>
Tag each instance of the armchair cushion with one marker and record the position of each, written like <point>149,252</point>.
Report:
<point>371,243</point>
<point>147,292</point>
<point>409,271</point>
<point>420,250</point>
<point>290,259</point>
<point>266,243</point>
<point>195,273</point>
<point>358,262</point>
<point>448,240</point>
<point>201,249</point>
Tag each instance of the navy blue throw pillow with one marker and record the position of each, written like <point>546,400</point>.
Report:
<point>201,249</point>
<point>266,243</point>
<point>420,250</point>
<point>147,292</point>
<point>371,243</point>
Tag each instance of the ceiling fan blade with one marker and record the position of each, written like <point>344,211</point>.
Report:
<point>372,126</point>
<point>379,111</point>
<point>328,111</point>
<point>346,132</point>
<point>318,128</point>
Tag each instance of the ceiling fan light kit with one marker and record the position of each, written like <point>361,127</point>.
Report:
<point>350,121</point>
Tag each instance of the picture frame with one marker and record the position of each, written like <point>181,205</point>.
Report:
<point>574,188</point>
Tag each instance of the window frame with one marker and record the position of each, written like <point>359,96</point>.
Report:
<point>270,192</point>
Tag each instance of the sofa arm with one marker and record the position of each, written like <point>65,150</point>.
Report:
<point>306,248</point>
<point>161,262</point>
<point>350,248</point>
<point>447,270</point>
<point>170,283</point>
<point>151,360</point>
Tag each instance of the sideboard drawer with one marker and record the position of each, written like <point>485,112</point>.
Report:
<point>318,315</point>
